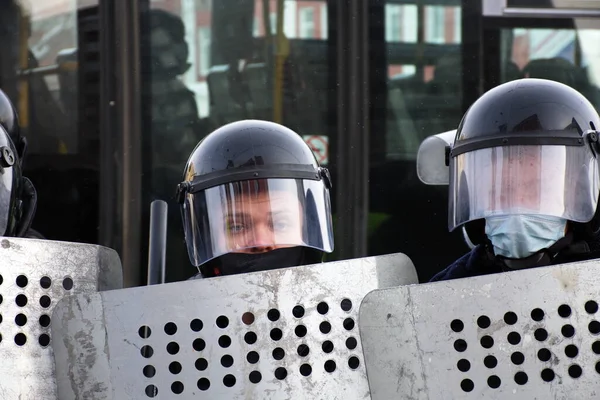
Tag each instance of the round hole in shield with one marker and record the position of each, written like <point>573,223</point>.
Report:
<point>521,378</point>
<point>300,331</point>
<point>346,305</point>
<point>146,351</point>
<point>1,299</point>
<point>513,338</point>
<point>571,351</point>
<point>1,279</point>
<point>224,341</point>
<point>170,328</point>
<point>463,365</point>
<point>255,377</point>
<point>20,339</point>
<point>229,380</point>
<point>575,371</point>
<point>460,345</point>
<point>494,382</point>
<point>151,391</point>
<point>537,314</point>
<point>540,334</point>
<point>175,368</point>
<point>348,324</point>
<point>351,343</point>
<point>222,322</point>
<point>201,364</point>
<point>276,334</point>
<point>330,366</point>
<point>596,347</point>
<point>517,358</point>
<point>144,332</point>
<point>353,362</point>
<point>564,311</point>
<point>227,361</point>
<point>303,350</point>
<point>298,311</point>
<point>20,319</point>
<point>483,322</point>
<point>44,340</point>
<point>467,385</point>
<point>457,325</point>
<point>305,369</point>
<point>177,387</point>
<point>203,384</point>
<point>196,325</point>
<point>510,318</point>
<point>591,307</point>
<point>598,367</point>
<point>250,337</point>
<point>173,348</point>
<point>322,308</point>
<point>594,327</point>
<point>248,318</point>
<point>544,355</point>
<point>281,373</point>
<point>487,342</point>
<point>21,300</point>
<point>273,314</point>
<point>45,282</point>
<point>149,371</point>
<point>490,361</point>
<point>568,330</point>
<point>547,375</point>
<point>278,353</point>
<point>68,283</point>
<point>198,344</point>
<point>45,301</point>
<point>22,281</point>
<point>327,346</point>
<point>252,357</point>
<point>325,327</point>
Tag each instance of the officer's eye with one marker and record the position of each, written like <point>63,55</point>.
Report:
<point>234,227</point>
<point>281,224</point>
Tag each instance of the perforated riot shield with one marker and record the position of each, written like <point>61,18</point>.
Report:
<point>531,334</point>
<point>280,334</point>
<point>34,276</point>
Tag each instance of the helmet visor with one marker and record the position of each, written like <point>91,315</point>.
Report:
<point>256,216</point>
<point>560,181</point>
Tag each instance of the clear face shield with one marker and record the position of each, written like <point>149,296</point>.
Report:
<point>545,180</point>
<point>257,216</point>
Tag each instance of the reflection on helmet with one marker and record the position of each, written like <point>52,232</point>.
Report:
<point>527,147</point>
<point>255,198</point>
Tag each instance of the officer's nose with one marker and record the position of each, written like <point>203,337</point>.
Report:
<point>261,240</point>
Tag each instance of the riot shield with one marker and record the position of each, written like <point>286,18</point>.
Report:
<point>531,334</point>
<point>279,334</point>
<point>34,276</point>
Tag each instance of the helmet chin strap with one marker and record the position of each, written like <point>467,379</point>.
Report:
<point>29,206</point>
<point>541,258</point>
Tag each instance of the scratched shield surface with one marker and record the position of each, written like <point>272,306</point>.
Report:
<point>531,334</point>
<point>280,334</point>
<point>34,275</point>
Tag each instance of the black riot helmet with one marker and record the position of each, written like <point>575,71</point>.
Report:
<point>10,122</point>
<point>253,198</point>
<point>17,195</point>
<point>529,146</point>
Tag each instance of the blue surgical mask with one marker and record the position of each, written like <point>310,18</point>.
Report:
<point>519,236</point>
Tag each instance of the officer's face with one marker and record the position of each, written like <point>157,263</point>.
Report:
<point>515,181</point>
<point>263,221</point>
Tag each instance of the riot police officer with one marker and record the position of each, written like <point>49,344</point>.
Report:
<point>254,198</point>
<point>18,198</point>
<point>524,179</point>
